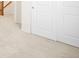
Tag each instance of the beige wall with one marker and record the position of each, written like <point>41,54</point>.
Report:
<point>26,16</point>
<point>18,12</point>
<point>14,9</point>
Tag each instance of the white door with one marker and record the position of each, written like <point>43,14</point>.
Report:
<point>70,20</point>
<point>42,19</point>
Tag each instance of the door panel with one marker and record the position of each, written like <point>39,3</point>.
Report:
<point>70,23</point>
<point>42,19</point>
<point>71,4</point>
<point>71,10</point>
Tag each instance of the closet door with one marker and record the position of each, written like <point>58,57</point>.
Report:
<point>70,23</point>
<point>42,19</point>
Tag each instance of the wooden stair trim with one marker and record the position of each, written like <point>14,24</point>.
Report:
<point>2,7</point>
<point>2,13</point>
<point>7,4</point>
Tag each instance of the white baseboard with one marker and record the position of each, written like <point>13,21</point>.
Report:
<point>69,40</point>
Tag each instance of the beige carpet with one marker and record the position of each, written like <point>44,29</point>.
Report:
<point>15,43</point>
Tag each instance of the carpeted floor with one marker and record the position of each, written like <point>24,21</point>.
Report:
<point>15,43</point>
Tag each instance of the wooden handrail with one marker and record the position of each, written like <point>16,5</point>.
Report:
<point>7,4</point>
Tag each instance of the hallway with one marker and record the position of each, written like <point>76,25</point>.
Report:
<point>15,43</point>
